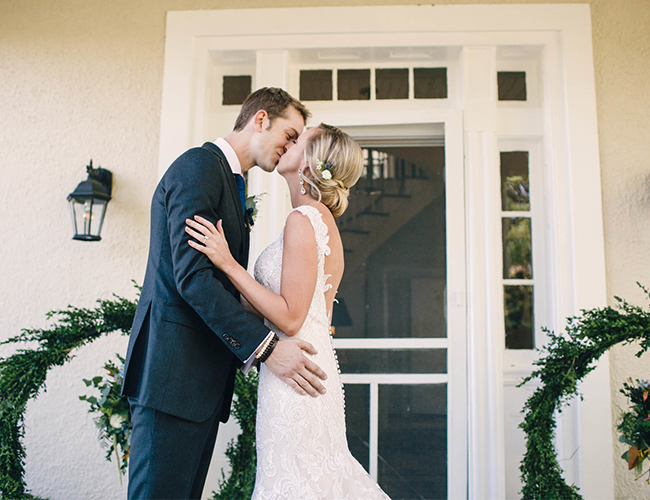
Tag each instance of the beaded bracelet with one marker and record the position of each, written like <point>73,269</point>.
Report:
<point>266,352</point>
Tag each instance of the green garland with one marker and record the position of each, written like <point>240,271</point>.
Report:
<point>565,361</point>
<point>112,413</point>
<point>116,434</point>
<point>22,375</point>
<point>241,452</point>
<point>114,423</point>
<point>634,426</point>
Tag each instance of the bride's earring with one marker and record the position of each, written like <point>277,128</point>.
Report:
<point>302,183</point>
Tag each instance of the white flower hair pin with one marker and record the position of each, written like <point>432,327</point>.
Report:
<point>324,169</point>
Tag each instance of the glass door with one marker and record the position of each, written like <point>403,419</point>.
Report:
<point>391,320</point>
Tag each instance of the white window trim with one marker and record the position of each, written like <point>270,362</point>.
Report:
<point>577,270</point>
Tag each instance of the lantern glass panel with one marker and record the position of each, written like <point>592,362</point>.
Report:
<point>99,210</point>
<point>88,216</point>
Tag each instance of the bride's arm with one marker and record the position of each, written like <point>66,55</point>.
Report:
<point>247,305</point>
<point>299,270</point>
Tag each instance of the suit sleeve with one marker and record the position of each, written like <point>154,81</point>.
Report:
<point>195,187</point>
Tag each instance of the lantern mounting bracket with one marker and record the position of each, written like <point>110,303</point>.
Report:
<point>101,175</point>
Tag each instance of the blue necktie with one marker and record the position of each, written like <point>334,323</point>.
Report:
<point>241,187</point>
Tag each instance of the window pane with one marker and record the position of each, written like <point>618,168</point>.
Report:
<point>512,85</point>
<point>515,185</point>
<point>393,234</point>
<point>413,441</point>
<point>392,360</point>
<point>236,89</point>
<point>357,422</point>
<point>353,84</point>
<point>519,317</point>
<point>517,253</point>
<point>316,85</point>
<point>430,83</point>
<point>392,83</point>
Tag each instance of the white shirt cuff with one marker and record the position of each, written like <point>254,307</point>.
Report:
<point>251,359</point>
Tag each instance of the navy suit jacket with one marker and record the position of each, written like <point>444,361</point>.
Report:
<point>190,332</point>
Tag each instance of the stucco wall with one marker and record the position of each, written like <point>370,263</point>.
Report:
<point>81,80</point>
<point>621,36</point>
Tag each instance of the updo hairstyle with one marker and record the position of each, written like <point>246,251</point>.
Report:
<point>334,151</point>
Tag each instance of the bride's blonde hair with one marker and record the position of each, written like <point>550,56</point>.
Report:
<point>332,150</point>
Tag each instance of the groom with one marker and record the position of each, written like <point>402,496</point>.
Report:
<point>190,333</point>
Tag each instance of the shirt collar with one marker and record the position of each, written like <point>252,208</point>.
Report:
<point>230,154</point>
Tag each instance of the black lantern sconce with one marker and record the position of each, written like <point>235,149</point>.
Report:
<point>88,203</point>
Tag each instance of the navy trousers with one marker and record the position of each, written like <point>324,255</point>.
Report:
<point>170,456</point>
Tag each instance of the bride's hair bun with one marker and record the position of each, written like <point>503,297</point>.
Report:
<point>336,162</point>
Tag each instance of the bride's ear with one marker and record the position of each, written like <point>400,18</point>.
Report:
<point>306,171</point>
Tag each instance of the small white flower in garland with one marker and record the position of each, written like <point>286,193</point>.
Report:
<point>324,169</point>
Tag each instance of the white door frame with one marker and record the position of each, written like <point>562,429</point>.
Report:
<point>455,342</point>
<point>576,268</point>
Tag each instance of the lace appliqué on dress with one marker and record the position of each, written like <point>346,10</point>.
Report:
<point>302,449</point>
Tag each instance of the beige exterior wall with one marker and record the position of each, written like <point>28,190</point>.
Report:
<point>82,80</point>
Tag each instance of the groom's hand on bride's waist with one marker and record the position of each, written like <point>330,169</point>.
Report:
<point>289,363</point>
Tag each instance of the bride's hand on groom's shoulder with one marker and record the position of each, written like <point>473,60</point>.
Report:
<point>210,240</point>
<point>289,364</point>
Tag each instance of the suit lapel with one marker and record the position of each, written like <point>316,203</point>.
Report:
<point>234,193</point>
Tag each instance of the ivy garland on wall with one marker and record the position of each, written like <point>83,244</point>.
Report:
<point>22,375</point>
<point>241,452</point>
<point>565,361</point>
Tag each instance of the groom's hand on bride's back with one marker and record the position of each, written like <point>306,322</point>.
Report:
<point>288,363</point>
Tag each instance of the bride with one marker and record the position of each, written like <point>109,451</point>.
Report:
<point>302,451</point>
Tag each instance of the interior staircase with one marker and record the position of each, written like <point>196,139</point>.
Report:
<point>390,192</point>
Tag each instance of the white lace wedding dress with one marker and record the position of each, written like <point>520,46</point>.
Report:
<point>302,450</point>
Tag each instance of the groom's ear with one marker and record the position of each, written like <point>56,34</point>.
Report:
<point>260,119</point>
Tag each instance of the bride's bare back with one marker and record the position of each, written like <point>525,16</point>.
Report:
<point>335,261</point>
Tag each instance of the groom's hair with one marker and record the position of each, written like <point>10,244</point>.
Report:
<point>274,101</point>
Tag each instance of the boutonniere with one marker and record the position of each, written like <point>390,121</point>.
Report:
<point>251,209</point>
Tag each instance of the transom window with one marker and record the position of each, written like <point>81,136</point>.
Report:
<point>378,83</point>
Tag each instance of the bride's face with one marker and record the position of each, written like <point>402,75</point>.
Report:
<point>292,160</point>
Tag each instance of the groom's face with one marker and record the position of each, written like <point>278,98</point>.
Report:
<point>276,137</point>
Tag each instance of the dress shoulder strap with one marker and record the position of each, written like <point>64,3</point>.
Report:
<point>320,228</point>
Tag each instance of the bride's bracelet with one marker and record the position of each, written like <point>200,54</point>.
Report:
<point>267,349</point>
